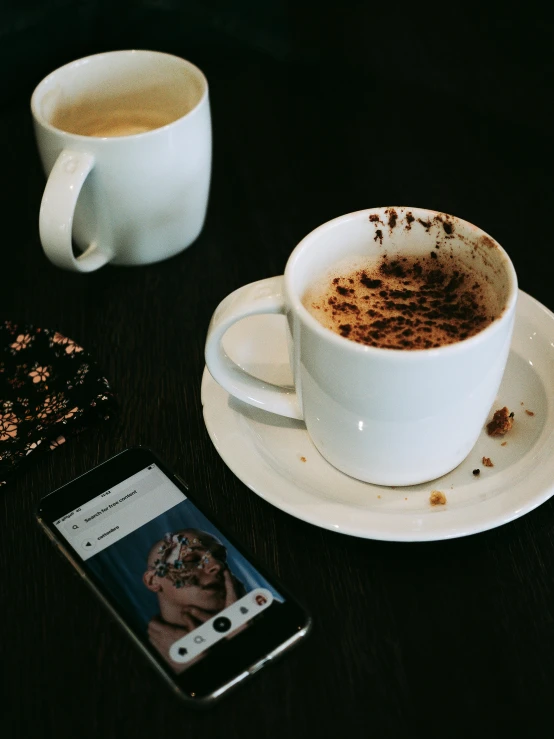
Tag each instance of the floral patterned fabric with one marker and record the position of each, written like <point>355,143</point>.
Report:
<point>50,388</point>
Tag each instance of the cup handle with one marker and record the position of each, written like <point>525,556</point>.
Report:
<point>58,208</point>
<point>265,296</point>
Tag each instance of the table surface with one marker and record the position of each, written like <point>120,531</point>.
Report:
<point>410,640</point>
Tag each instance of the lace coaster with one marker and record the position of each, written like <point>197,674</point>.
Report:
<point>50,389</point>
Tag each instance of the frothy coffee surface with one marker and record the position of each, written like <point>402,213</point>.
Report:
<point>403,302</point>
<point>99,121</point>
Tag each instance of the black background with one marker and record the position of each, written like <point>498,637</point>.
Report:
<point>317,111</point>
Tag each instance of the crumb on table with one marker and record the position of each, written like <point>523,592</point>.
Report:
<point>437,498</point>
<point>487,462</point>
<point>502,422</point>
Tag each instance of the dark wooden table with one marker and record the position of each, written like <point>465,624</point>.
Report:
<point>409,640</point>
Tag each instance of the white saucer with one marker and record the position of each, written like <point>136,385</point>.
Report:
<point>275,458</point>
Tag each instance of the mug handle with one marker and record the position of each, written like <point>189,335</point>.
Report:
<point>58,208</point>
<point>264,296</point>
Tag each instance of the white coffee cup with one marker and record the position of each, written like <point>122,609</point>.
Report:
<point>125,141</point>
<point>385,416</point>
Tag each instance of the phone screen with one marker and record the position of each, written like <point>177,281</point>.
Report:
<point>176,580</point>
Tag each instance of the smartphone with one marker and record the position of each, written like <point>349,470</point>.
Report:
<point>188,594</point>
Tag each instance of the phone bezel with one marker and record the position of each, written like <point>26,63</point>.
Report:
<point>272,632</point>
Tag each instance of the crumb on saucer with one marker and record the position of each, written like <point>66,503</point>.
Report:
<point>504,443</point>
<point>437,498</point>
<point>487,462</point>
<point>302,459</point>
<point>502,422</point>
<point>476,472</point>
<point>529,413</point>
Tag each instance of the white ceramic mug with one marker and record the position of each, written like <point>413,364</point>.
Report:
<point>386,416</point>
<point>125,141</point>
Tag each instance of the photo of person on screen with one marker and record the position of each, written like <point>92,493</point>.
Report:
<point>189,573</point>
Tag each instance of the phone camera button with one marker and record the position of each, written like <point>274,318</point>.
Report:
<point>222,624</point>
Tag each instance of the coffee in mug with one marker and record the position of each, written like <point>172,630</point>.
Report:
<point>110,119</point>
<point>399,326</point>
<point>403,302</point>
